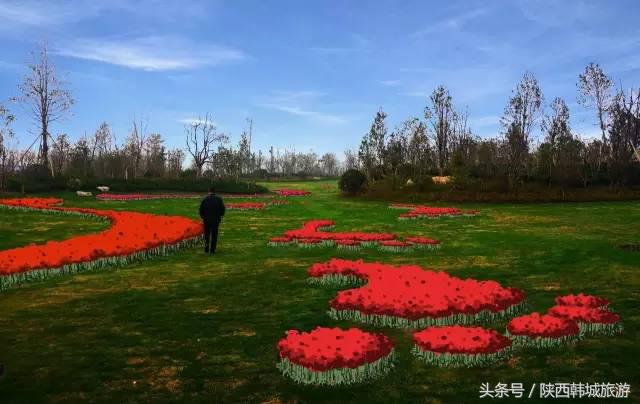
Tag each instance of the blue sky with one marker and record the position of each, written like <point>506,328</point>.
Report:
<point>311,74</point>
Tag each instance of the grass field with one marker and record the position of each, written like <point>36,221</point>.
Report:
<point>193,328</point>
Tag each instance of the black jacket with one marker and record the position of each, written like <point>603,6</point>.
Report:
<point>212,208</point>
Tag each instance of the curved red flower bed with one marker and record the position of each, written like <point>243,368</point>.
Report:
<point>409,296</point>
<point>332,356</point>
<point>460,346</point>
<point>291,192</point>
<point>542,331</point>
<point>131,236</point>
<point>582,300</point>
<point>430,212</point>
<point>592,321</point>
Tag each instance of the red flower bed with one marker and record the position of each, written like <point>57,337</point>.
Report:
<point>139,197</point>
<point>394,245</point>
<point>423,242</point>
<point>333,356</point>
<point>409,296</point>
<point>542,330</point>
<point>132,235</point>
<point>591,320</point>
<point>421,211</point>
<point>582,300</point>
<point>246,205</point>
<point>291,192</point>
<point>460,346</point>
<point>318,230</point>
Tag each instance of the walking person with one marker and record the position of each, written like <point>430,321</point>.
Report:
<point>211,211</point>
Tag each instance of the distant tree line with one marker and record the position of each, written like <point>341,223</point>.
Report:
<point>442,143</point>
<point>141,153</point>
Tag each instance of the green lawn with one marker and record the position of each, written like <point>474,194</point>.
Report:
<point>193,328</point>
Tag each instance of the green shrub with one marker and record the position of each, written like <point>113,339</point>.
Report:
<point>74,184</point>
<point>352,181</point>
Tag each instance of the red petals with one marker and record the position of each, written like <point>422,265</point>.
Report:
<point>417,211</point>
<point>536,325</point>
<point>333,348</point>
<point>585,314</point>
<point>291,192</point>
<point>413,293</point>
<point>130,232</point>
<point>582,300</point>
<point>460,340</point>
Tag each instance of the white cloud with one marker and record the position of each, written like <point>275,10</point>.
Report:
<point>320,116</point>
<point>452,23</point>
<point>151,53</point>
<point>194,121</point>
<point>484,121</point>
<point>390,83</point>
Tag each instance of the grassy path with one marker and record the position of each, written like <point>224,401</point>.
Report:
<point>191,328</point>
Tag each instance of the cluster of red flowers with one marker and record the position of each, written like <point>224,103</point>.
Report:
<point>411,296</point>
<point>582,300</point>
<point>460,340</point>
<point>419,211</point>
<point>291,192</point>
<point>130,233</point>
<point>314,229</point>
<point>584,314</point>
<point>329,348</point>
<point>536,325</point>
<point>246,205</point>
<point>318,230</point>
<point>140,197</point>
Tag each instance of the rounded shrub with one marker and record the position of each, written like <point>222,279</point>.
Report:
<point>352,181</point>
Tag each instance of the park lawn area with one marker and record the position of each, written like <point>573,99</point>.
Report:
<point>193,328</point>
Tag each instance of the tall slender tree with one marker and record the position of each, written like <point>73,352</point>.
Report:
<point>45,97</point>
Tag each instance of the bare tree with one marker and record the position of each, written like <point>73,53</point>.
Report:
<point>201,138</point>
<point>175,158</point>
<point>555,127</point>
<point>350,159</point>
<point>60,153</point>
<point>136,143</point>
<point>441,115</point>
<point>45,97</point>
<point>594,92</point>
<point>520,114</point>
<point>6,133</point>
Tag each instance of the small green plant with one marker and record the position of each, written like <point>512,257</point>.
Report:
<point>352,181</point>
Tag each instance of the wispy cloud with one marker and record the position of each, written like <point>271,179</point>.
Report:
<point>151,53</point>
<point>390,83</point>
<point>484,121</point>
<point>320,116</point>
<point>300,103</point>
<point>451,23</point>
<point>49,13</point>
<point>196,121</point>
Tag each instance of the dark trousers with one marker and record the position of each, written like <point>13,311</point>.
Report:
<point>210,236</point>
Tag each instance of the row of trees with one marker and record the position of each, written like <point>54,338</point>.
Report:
<point>46,99</point>
<point>442,142</point>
